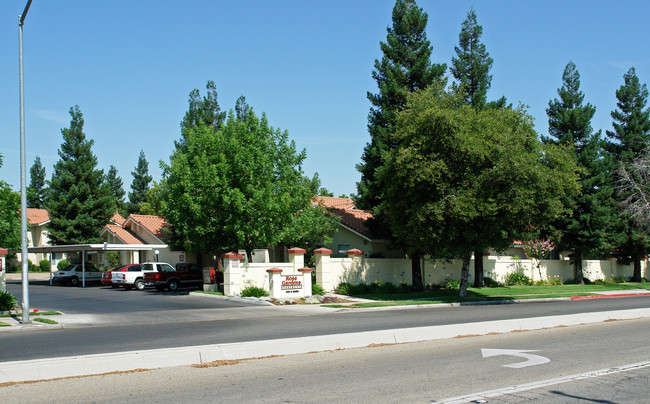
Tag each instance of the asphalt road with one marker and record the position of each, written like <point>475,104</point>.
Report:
<point>164,321</point>
<point>424,372</point>
<point>98,299</point>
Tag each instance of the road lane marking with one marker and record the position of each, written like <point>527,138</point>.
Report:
<point>531,360</point>
<point>484,395</point>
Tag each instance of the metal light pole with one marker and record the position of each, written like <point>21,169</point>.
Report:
<point>23,193</point>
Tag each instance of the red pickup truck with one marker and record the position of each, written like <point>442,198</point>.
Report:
<point>184,275</point>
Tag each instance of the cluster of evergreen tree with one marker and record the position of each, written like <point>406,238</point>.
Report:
<point>79,197</point>
<point>592,223</point>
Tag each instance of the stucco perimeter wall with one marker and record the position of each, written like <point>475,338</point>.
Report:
<point>330,272</point>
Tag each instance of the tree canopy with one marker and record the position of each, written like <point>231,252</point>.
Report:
<point>9,215</point>
<point>472,64</point>
<point>234,186</point>
<point>79,202</point>
<point>464,178</point>
<point>591,226</point>
<point>37,189</point>
<point>628,144</point>
<point>116,186</point>
<point>140,184</point>
<point>404,67</point>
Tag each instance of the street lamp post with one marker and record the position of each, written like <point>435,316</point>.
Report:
<point>23,175</point>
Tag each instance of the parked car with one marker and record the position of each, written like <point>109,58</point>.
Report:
<point>134,275</point>
<point>185,274</point>
<point>107,276</point>
<point>73,274</point>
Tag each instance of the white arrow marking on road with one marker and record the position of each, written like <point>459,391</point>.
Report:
<point>532,360</point>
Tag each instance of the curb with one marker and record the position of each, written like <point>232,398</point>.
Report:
<point>84,365</point>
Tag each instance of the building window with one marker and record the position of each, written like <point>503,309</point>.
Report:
<point>342,248</point>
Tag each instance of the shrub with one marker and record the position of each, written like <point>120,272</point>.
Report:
<point>451,283</point>
<point>317,289</point>
<point>60,266</point>
<point>44,265</point>
<point>13,267</point>
<point>7,301</point>
<point>31,267</point>
<point>113,258</point>
<point>343,288</point>
<point>254,291</point>
<point>518,278</point>
<point>491,283</point>
<point>404,287</point>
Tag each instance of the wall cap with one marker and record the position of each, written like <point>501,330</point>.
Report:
<point>296,250</point>
<point>274,271</point>
<point>354,251</point>
<point>232,255</point>
<point>305,269</point>
<point>4,251</point>
<point>325,251</point>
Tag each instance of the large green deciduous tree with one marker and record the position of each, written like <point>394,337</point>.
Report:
<point>9,215</point>
<point>590,229</point>
<point>79,201</point>
<point>237,186</point>
<point>628,143</point>
<point>37,189</point>
<point>140,184</point>
<point>405,67</point>
<point>464,178</point>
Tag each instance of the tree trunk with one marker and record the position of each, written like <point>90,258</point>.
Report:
<point>416,272</point>
<point>464,275</point>
<point>636,257</point>
<point>578,267</point>
<point>479,281</point>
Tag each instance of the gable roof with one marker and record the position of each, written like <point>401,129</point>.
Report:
<point>351,218</point>
<point>126,235</point>
<point>37,217</point>
<point>117,218</point>
<point>153,224</point>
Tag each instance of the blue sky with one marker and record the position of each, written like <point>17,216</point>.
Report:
<point>130,66</point>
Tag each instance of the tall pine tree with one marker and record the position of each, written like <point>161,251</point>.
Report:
<point>140,184</point>
<point>590,230</point>
<point>79,202</point>
<point>472,65</point>
<point>116,185</point>
<point>37,190</point>
<point>201,111</point>
<point>471,68</point>
<point>628,141</point>
<point>404,68</point>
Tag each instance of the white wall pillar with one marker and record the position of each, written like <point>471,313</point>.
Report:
<point>323,269</point>
<point>297,257</point>
<point>306,280</point>
<point>3,269</point>
<point>232,274</point>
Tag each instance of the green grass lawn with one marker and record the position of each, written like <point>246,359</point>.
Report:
<point>487,294</point>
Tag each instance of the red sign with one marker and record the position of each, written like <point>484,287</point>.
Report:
<point>291,282</point>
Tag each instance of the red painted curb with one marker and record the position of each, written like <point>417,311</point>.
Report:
<point>605,296</point>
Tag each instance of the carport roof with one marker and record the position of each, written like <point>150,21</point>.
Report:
<point>94,247</point>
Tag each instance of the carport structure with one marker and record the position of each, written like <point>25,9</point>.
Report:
<point>84,249</point>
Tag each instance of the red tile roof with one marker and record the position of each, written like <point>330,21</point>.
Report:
<point>118,219</point>
<point>352,218</point>
<point>155,224</point>
<point>37,216</point>
<point>337,203</point>
<point>125,235</point>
